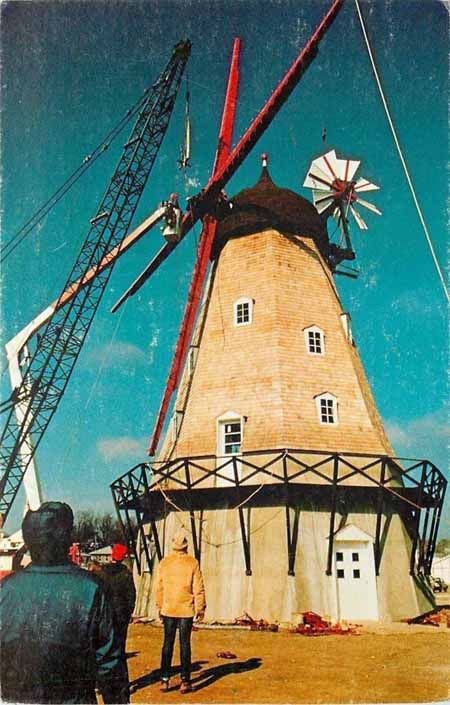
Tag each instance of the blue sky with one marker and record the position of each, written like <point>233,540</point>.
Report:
<point>70,70</point>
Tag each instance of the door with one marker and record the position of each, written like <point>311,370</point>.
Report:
<point>355,580</point>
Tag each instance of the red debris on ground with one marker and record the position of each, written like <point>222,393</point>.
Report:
<point>440,616</point>
<point>315,625</point>
<point>226,654</point>
<point>260,625</point>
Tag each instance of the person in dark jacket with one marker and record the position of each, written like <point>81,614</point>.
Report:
<point>120,590</point>
<point>57,635</point>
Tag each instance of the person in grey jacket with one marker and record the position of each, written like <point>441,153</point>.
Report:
<point>57,635</point>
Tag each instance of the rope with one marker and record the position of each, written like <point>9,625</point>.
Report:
<point>399,150</point>
<point>205,539</point>
<point>9,247</point>
<point>238,506</point>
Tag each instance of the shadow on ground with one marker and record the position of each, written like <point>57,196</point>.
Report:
<point>211,675</point>
<point>202,679</point>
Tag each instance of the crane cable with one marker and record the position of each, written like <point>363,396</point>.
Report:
<point>9,247</point>
<point>399,150</point>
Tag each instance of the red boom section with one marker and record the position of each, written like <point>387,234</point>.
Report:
<point>203,252</point>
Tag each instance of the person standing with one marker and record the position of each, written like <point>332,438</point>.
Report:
<point>120,589</point>
<point>57,635</point>
<point>180,596</point>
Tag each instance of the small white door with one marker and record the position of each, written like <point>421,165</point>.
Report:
<point>355,580</point>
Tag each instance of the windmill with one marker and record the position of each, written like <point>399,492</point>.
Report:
<point>276,462</point>
<point>337,193</point>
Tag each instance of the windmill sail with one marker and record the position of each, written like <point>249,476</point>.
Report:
<point>332,182</point>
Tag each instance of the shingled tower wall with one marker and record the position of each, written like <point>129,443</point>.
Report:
<point>269,253</point>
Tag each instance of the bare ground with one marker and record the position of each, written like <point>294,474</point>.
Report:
<point>383,664</point>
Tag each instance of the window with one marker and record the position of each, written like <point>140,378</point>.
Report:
<point>347,326</point>
<point>232,438</point>
<point>339,556</point>
<point>177,419</point>
<point>341,573</point>
<point>315,340</point>
<point>327,408</point>
<point>356,574</point>
<point>192,357</point>
<point>230,434</point>
<point>243,312</point>
<point>355,557</point>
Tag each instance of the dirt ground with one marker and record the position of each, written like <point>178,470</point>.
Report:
<point>383,664</point>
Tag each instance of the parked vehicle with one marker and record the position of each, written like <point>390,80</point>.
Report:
<point>439,585</point>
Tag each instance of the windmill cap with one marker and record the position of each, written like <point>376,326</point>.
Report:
<point>179,542</point>
<point>264,206</point>
<point>119,552</point>
<point>53,521</point>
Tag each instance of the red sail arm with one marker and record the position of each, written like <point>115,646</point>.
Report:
<point>204,250</point>
<point>208,196</point>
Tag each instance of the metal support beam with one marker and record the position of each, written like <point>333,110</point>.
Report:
<point>292,536</point>
<point>141,531</point>
<point>377,547</point>
<point>291,531</point>
<point>437,511</point>
<point>417,520</point>
<point>245,532</point>
<point>159,552</point>
<point>329,569</point>
<point>191,513</point>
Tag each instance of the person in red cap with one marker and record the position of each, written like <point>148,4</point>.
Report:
<point>121,591</point>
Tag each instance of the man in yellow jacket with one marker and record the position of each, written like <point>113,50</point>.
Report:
<point>180,596</point>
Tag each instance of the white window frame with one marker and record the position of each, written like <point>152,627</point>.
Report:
<point>240,302</point>
<point>228,417</point>
<point>346,321</point>
<point>316,331</point>
<point>327,397</point>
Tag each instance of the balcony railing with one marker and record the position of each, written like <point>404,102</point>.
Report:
<point>412,488</point>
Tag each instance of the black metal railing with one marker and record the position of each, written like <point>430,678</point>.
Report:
<point>412,488</point>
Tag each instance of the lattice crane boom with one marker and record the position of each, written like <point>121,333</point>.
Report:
<point>49,365</point>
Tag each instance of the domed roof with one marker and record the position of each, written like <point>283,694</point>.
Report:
<point>264,206</point>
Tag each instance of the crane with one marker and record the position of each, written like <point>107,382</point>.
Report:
<point>41,363</point>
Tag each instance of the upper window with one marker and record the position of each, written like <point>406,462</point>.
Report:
<point>347,326</point>
<point>231,437</point>
<point>315,340</point>
<point>230,428</point>
<point>177,419</point>
<point>243,312</point>
<point>327,408</point>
